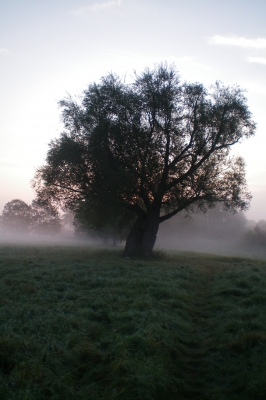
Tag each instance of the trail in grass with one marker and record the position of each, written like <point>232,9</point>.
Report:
<point>197,362</point>
<point>225,359</point>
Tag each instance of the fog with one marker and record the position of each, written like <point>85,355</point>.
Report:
<point>202,244</point>
<point>65,238</point>
<point>215,232</point>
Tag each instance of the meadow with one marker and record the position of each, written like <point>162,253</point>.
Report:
<point>80,323</point>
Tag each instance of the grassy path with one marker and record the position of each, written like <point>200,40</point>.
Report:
<point>198,368</point>
<point>225,359</point>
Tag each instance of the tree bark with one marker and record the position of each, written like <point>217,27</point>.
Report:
<point>150,232</point>
<point>134,239</point>
<point>143,234</point>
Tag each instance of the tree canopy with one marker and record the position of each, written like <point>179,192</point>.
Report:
<point>44,219</point>
<point>16,217</point>
<point>148,150</point>
<point>102,221</point>
<point>19,217</point>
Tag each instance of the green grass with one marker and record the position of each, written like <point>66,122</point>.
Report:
<point>78,323</point>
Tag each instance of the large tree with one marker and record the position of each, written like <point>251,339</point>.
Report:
<point>103,220</point>
<point>153,148</point>
<point>45,220</point>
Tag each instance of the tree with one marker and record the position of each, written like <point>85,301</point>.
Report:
<point>16,217</point>
<point>95,221</point>
<point>19,217</point>
<point>154,147</point>
<point>45,220</point>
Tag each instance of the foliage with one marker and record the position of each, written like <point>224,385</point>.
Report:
<point>44,219</point>
<point>78,323</point>
<point>19,217</point>
<point>155,147</point>
<point>16,217</point>
<point>95,221</point>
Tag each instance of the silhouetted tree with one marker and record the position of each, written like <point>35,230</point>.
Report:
<point>45,220</point>
<point>156,146</point>
<point>16,217</point>
<point>94,219</point>
<point>19,217</point>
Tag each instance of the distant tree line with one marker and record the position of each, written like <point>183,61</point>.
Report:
<point>19,217</point>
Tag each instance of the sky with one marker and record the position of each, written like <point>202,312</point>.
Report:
<point>52,48</point>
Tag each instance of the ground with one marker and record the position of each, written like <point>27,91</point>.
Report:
<point>79,323</point>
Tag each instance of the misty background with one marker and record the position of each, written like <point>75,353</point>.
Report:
<point>217,231</point>
<point>49,49</point>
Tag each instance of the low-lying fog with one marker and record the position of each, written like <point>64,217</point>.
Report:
<point>216,232</point>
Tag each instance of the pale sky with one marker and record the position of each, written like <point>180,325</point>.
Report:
<point>54,47</point>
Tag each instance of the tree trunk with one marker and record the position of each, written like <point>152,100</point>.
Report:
<point>134,239</point>
<point>143,234</point>
<point>150,232</point>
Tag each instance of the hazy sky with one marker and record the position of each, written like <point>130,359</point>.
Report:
<point>54,47</point>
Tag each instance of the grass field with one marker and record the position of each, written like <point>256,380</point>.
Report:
<point>78,323</point>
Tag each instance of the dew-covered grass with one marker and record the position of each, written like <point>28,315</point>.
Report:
<point>79,323</point>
